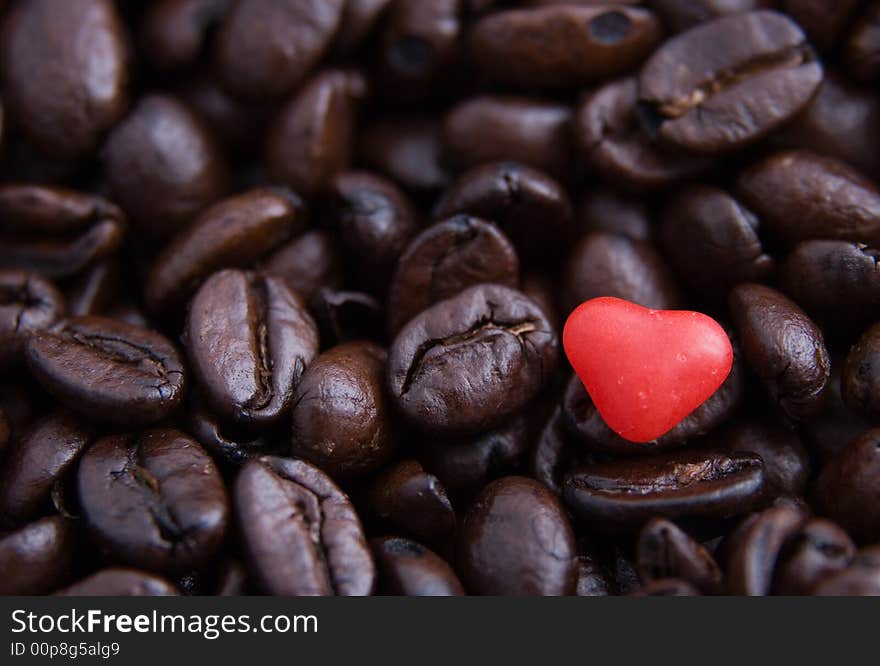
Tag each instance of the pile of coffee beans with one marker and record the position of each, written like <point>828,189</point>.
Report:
<point>282,284</point>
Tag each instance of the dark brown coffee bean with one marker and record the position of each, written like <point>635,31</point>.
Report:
<point>611,212</point>
<point>108,370</point>
<point>692,484</point>
<point>312,137</point>
<point>800,196</point>
<point>39,557</point>
<point>665,551</point>
<point>603,264</point>
<point>359,17</point>
<point>490,129</point>
<point>249,340</point>
<point>712,240</point>
<point>414,501</point>
<point>300,532</point>
<point>174,32</point>
<point>265,48</point>
<point>553,453</point>
<point>592,580</point>
<point>407,568</point>
<point>783,347</point>
<point>528,205</point>
<point>65,70</point>
<point>406,148</point>
<point>862,578</point>
<point>563,46</point>
<point>862,53</point>
<point>679,15</point>
<point>308,263</point>
<point>153,500</point>
<point>469,362</point>
<point>817,551</point>
<point>445,259</point>
<point>752,72</point>
<point>341,420</point>
<point>861,375</point>
<point>233,233</point>
<point>516,540</point>
<point>666,587</point>
<point>28,304</point>
<point>119,582</point>
<point>848,488</point>
<point>224,444</point>
<point>346,316</point>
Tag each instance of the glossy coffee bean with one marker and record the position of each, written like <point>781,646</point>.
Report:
<point>862,578</point>
<point>516,540</point>
<point>702,484</point>
<point>225,444</point>
<point>563,46</point>
<point>70,85</point>
<point>153,500</point>
<point>347,316</point>
<point>233,233</point>
<point>408,149</point>
<point>665,551</point>
<point>39,557</point>
<point>817,551</point>
<point>862,48</point>
<point>407,568</point>
<point>612,212</point>
<point>445,259</point>
<point>469,362</point>
<point>300,532</point>
<point>249,340</point>
<point>163,166</point>
<point>108,370</point>
<point>28,304</point>
<point>679,15</point>
<point>174,33</point>
<point>783,347</point>
<point>265,48</point>
<point>120,582</point>
<point>848,486</point>
<point>752,72</point>
<point>307,263</point>
<point>528,205</point>
<point>341,416</point>
<point>861,375</point>
<point>799,196</point>
<point>413,501</point>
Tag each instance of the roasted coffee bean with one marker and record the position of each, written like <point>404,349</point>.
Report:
<point>862,578</point>
<point>153,500</point>
<point>848,488</point>
<point>834,280</point>
<point>225,445</point>
<point>28,304</point>
<point>783,347</point>
<point>407,149</point>
<point>528,205</point>
<point>679,15</point>
<point>265,48</point>
<point>341,417</point>
<point>553,453</point>
<point>312,137</point>
<point>467,363</point>
<point>603,264</point>
<point>799,196</point>
<point>516,540</point>
<point>607,132</point>
<point>163,166</point>
<point>39,557</point>
<point>494,128</point>
<point>38,462</point>
<point>300,532</point>
<point>308,263</point>
<point>233,233</point>
<point>445,259</point>
<point>563,46</point>
<point>174,32</point>
<point>751,73</point>
<point>249,340</point>
<point>861,375</point>
<point>665,551</point>
<point>63,89</point>
<point>712,240</point>
<point>592,580</point>
<point>346,316</point>
<point>703,484</point>
<point>119,582</point>
<point>862,53</point>
<point>359,17</point>
<point>407,568</point>
<point>818,550</point>
<point>414,501</point>
<point>608,211</point>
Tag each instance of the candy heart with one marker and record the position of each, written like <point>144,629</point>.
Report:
<point>644,369</point>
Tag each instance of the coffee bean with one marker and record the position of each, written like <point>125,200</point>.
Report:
<point>347,316</point>
<point>65,90</point>
<point>862,578</point>
<point>679,15</point>
<point>174,32</point>
<point>406,148</point>
<point>307,263</point>
<point>605,210</point>
<point>691,484</point>
<point>818,550</point>
<point>120,582</point>
<point>553,453</point>
<point>407,568</point>
<point>516,540</point>
<point>341,419</point>
<point>861,375</point>
<point>862,53</point>
<point>751,73</point>
<point>249,341</point>
<point>108,370</point>
<point>359,18</point>
<point>28,304</point>
<point>445,259</point>
<point>665,551</point>
<point>224,444</point>
<point>300,532</point>
<point>39,557</point>
<point>467,363</point>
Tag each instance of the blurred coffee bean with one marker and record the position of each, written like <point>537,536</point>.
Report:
<point>39,557</point>
<point>174,33</point>
<point>679,15</point>
<point>818,550</point>
<point>359,18</point>
<point>862,52</point>
<point>308,262</point>
<point>407,568</point>
<point>862,578</point>
<point>823,22</point>
<point>120,582</point>
<point>665,551</point>
<point>861,375</point>
<point>407,148</point>
<point>28,304</point>
<point>605,210</point>
<point>666,587</point>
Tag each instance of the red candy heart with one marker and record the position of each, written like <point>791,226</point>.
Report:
<point>645,370</point>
